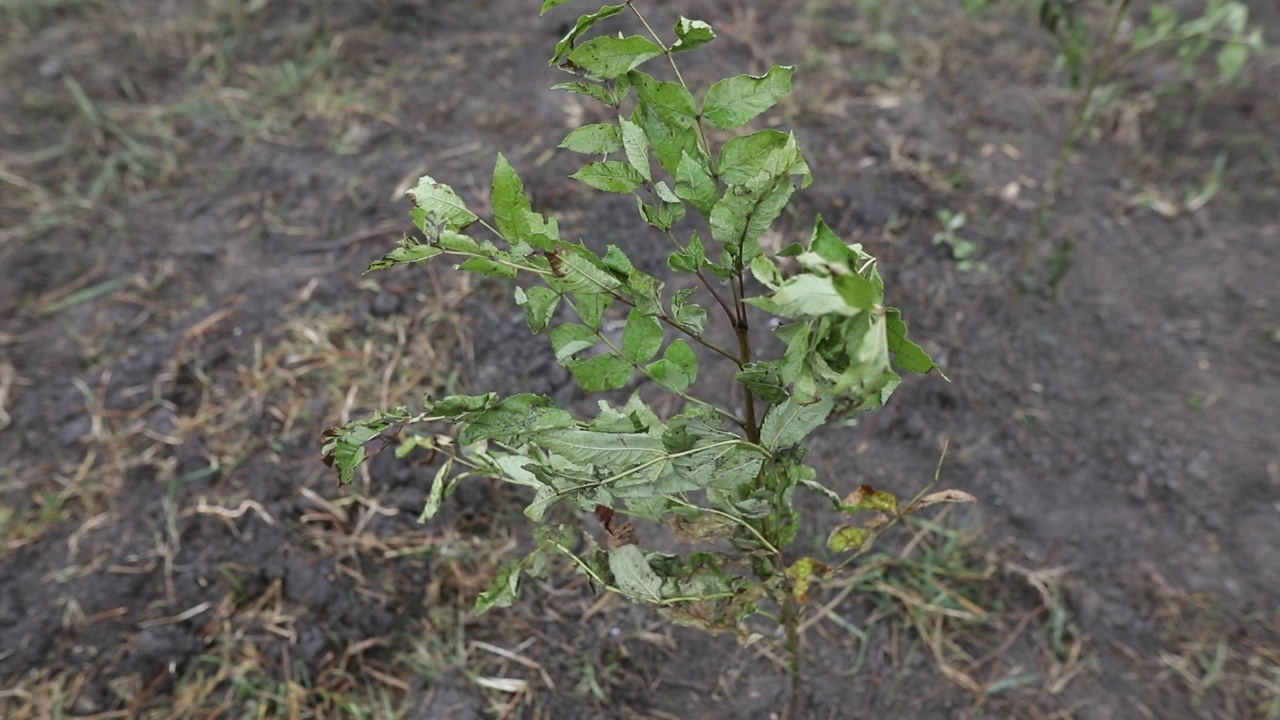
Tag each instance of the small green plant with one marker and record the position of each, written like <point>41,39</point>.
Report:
<point>964,251</point>
<point>1091,64</point>
<point>722,476</point>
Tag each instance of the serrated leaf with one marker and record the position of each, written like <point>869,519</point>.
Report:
<point>539,305</point>
<point>764,380</point>
<point>565,46</point>
<point>770,152</point>
<point>641,338</point>
<point>636,146</point>
<point>694,183</point>
<point>438,200</point>
<point>570,339</point>
<point>607,57</point>
<point>548,4</point>
<point>807,295</point>
<point>691,259</point>
<point>600,373</point>
<point>635,578</point>
<point>691,34</point>
<point>615,451</point>
<point>668,115</point>
<point>610,176</point>
<point>591,307</point>
<point>686,314</point>
<point>514,419</point>
<point>485,266</point>
<point>742,215</point>
<point>678,368</point>
<point>346,447</point>
<point>731,102</point>
<point>576,273</point>
<point>789,423</point>
<point>409,251</point>
<point>503,591</point>
<point>764,269</point>
<point>906,354</point>
<point>595,139</point>
<point>510,204</point>
<point>591,90</point>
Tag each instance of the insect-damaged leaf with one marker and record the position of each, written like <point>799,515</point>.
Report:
<point>635,578</point>
<point>789,423</point>
<point>733,101</point>
<point>503,591</point>
<point>439,201</point>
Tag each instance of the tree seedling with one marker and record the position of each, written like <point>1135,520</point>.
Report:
<point>721,476</point>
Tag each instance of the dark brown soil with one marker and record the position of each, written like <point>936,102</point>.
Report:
<point>179,324</point>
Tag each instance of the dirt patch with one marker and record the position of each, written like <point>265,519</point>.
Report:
<point>190,194</point>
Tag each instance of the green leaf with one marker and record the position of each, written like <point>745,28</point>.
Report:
<point>857,291</point>
<point>440,486</point>
<point>610,176</point>
<point>615,451</point>
<point>807,295</point>
<point>764,269</point>
<point>668,115</point>
<point>678,368</point>
<point>906,354</point>
<point>515,419</point>
<point>510,204</point>
<point>636,146</point>
<point>409,251</point>
<point>770,152</point>
<point>733,101</point>
<point>641,338</point>
<point>691,259</point>
<point>455,407</point>
<point>548,4</point>
<point>763,379</point>
<point>694,183</point>
<point>591,90</point>
<point>1231,58</point>
<point>691,34</point>
<point>789,423</point>
<point>635,578</point>
<point>484,266</point>
<point>504,590</point>
<point>539,305</point>
<point>645,291</point>
<point>606,57</point>
<point>600,373</point>
<point>686,314</point>
<point>597,139</point>
<point>570,339</point>
<point>346,447</point>
<point>439,201</point>
<point>576,272</point>
<point>565,46</point>
<point>591,306</point>
<point>743,215</point>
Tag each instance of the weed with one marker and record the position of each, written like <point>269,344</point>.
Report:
<point>721,476</point>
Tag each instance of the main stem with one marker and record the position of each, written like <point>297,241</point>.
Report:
<point>791,624</point>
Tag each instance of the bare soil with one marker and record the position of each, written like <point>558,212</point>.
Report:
<point>189,191</point>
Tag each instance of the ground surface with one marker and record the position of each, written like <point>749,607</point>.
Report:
<point>189,189</point>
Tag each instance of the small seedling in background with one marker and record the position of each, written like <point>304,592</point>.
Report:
<point>1092,63</point>
<point>717,474</point>
<point>964,251</point>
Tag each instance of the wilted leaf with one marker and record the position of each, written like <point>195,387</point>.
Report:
<point>703,528</point>
<point>867,497</point>
<point>503,591</point>
<point>942,496</point>
<point>802,574</point>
